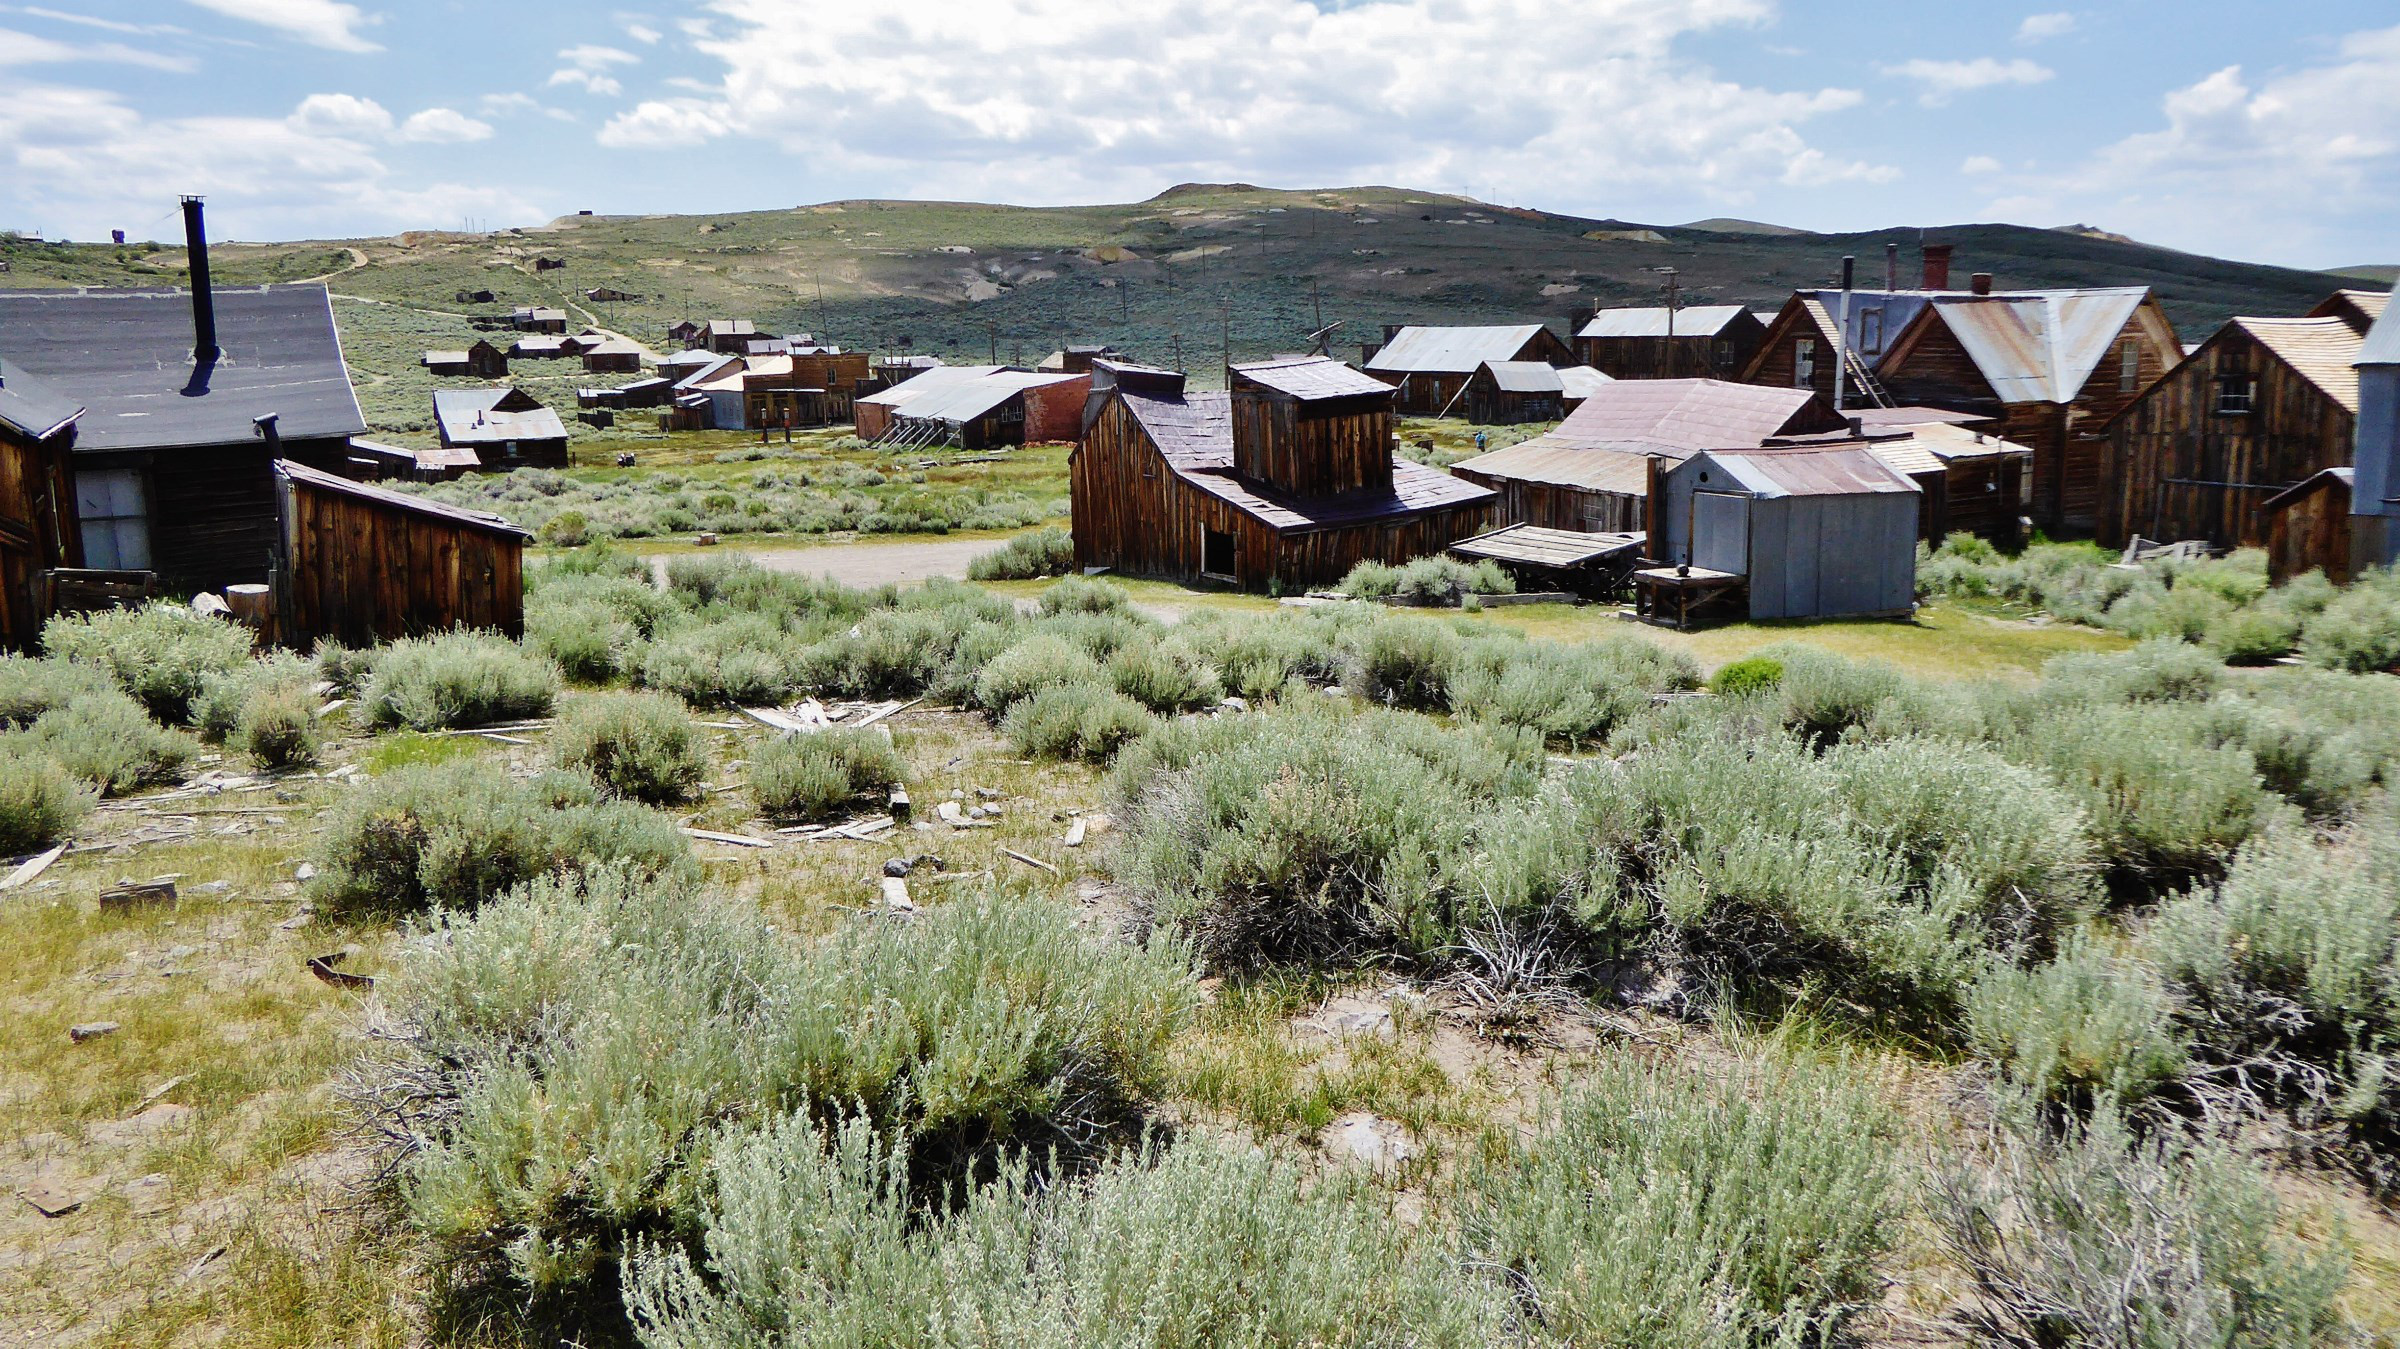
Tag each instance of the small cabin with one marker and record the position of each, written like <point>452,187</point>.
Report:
<point>1508,393</point>
<point>1432,366</point>
<point>363,564</point>
<point>1695,342</point>
<point>614,356</point>
<point>480,361</point>
<point>537,319</point>
<point>2307,527</point>
<point>508,428</point>
<point>1815,532</point>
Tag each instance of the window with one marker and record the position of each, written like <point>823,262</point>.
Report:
<point>1804,362</point>
<point>2129,366</point>
<point>2233,395</point>
<point>115,514</point>
<point>1216,553</point>
<point>1870,331</point>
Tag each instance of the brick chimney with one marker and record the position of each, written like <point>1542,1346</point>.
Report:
<point>1983,283</point>
<point>1937,267</point>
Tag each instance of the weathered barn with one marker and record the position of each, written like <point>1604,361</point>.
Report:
<point>608,295</point>
<point>1284,482</point>
<point>482,361</point>
<point>2308,527</point>
<point>1507,393</point>
<point>2262,405</point>
<point>1713,341</point>
<point>184,392</point>
<point>983,411</point>
<point>536,319</point>
<point>373,461</point>
<point>1593,472</point>
<point>1433,365</point>
<point>2054,366</point>
<point>548,347</point>
<point>653,392</point>
<point>615,356</point>
<point>363,564</point>
<point>37,499</point>
<point>726,337</point>
<point>2375,484</point>
<point>508,428</point>
<point>1815,532</point>
<point>749,393</point>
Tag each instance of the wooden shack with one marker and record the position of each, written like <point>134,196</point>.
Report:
<point>537,319</point>
<point>1813,532</point>
<point>1510,393</point>
<point>1712,341</point>
<point>1284,482</point>
<point>480,361</point>
<point>1973,482</point>
<point>991,410</point>
<point>37,500</point>
<point>363,564</point>
<point>507,427</point>
<point>2308,527</point>
<point>614,356</point>
<point>1432,366</point>
<point>2262,405</point>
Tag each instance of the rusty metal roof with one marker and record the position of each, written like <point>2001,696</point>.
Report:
<point>1625,472</point>
<point>1311,378</point>
<point>1700,320</point>
<point>1451,351</point>
<point>1195,435</point>
<point>1911,417</point>
<point>472,417</point>
<point>1675,417</point>
<point>401,501</point>
<point>2039,346</point>
<point>1849,471</point>
<point>2323,351</point>
<point>1525,376</point>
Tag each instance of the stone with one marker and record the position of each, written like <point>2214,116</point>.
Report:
<point>988,793</point>
<point>52,1199</point>
<point>307,871</point>
<point>148,1194</point>
<point>1378,1142</point>
<point>897,867</point>
<point>1235,703</point>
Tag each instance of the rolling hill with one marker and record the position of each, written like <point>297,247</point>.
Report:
<point>1194,270</point>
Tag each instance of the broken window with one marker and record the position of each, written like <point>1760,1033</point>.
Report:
<point>1804,362</point>
<point>115,514</point>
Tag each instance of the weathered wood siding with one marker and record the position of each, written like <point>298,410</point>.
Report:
<point>2310,530</point>
<point>1430,393</point>
<point>37,528</point>
<point>1985,498</point>
<point>1556,506</point>
<point>1313,449</point>
<point>362,572</point>
<point>1775,357</point>
<point>1710,357</point>
<point>212,508</point>
<point>1490,405</point>
<point>2179,469</point>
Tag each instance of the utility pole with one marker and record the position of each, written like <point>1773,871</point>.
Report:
<point>994,329</point>
<point>1674,299</point>
<point>1175,340</point>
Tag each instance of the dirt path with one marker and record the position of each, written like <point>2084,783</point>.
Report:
<point>357,260</point>
<point>869,564</point>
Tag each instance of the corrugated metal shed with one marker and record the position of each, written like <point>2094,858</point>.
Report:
<point>1311,378</point>
<point>1195,435</point>
<point>968,400</point>
<point>1527,376</point>
<point>1703,320</point>
<point>1453,351</point>
<point>2039,346</point>
<point>932,380</point>
<point>2382,346</point>
<point>1818,533</point>
<point>1845,471</point>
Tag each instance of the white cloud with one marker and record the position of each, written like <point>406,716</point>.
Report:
<point>1941,81</point>
<point>587,65</point>
<point>601,86</point>
<point>507,103</point>
<point>643,33</point>
<point>443,126</point>
<point>105,25</point>
<point>340,115</point>
<point>1048,101</point>
<point>1979,165</point>
<point>2275,166</point>
<point>2043,27</point>
<point>324,23</point>
<point>25,49</point>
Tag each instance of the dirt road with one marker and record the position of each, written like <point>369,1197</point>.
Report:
<point>870,564</point>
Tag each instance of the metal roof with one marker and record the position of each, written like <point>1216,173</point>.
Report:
<point>1851,471</point>
<point>402,501</point>
<point>1456,351</point>
<point>2039,346</point>
<point>705,372</point>
<point>1700,320</point>
<point>1525,376</point>
<point>1911,416</point>
<point>1311,378</point>
<point>2323,351</point>
<point>1194,433</point>
<point>933,379</point>
<point>31,408</point>
<point>1534,546</point>
<point>1956,444</point>
<point>473,417</point>
<point>1907,454</point>
<point>967,400</point>
<point>126,356</point>
<point>1675,417</point>
<point>1625,472</point>
<point>731,327</point>
<point>2382,346</point>
<point>1581,381</point>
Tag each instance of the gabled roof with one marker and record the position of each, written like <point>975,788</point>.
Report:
<point>932,380</point>
<point>31,408</point>
<point>1311,378</point>
<point>1952,443</point>
<point>1581,381</point>
<point>731,327</point>
<point>2318,481</point>
<point>2359,308</point>
<point>400,501</point>
<point>968,400</point>
<point>1701,320</point>
<point>479,417</point>
<point>126,356</point>
<point>2038,346</point>
<point>1675,417</point>
<point>1526,376</point>
<point>2323,351</point>
<point>1451,350</point>
<point>1194,434</point>
<point>1848,471</point>
<point>706,370</point>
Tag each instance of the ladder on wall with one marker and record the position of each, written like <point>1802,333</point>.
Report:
<point>1863,380</point>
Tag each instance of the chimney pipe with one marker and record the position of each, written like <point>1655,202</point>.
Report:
<point>1937,266</point>
<point>1891,267</point>
<point>204,300</point>
<point>1983,283</point>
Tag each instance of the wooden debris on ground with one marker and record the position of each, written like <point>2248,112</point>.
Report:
<point>51,1201</point>
<point>895,895</point>
<point>898,804</point>
<point>861,829</point>
<point>32,866</point>
<point>1029,861</point>
<point>137,894</point>
<point>91,1030</point>
<point>720,836</point>
<point>1076,831</point>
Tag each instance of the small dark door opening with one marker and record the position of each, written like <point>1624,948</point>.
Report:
<point>1216,553</point>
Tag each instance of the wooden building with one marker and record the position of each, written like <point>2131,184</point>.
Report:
<point>2358,308</point>
<point>749,393</point>
<point>1714,341</point>
<point>981,408</point>
<point>877,414</point>
<point>726,337</point>
<point>375,461</point>
<point>615,356</point>
<point>1812,532</point>
<point>1077,359</point>
<point>2308,527</point>
<point>186,395</point>
<point>537,319</point>
<point>2053,366</point>
<point>1508,393</point>
<point>1593,472</point>
<point>1432,366</point>
<point>1577,383</point>
<point>608,295</point>
<point>37,500</point>
<point>508,428</point>
<point>1973,482</point>
<point>363,564</point>
<point>1286,481</point>
<point>2262,405</point>
<point>481,361</point>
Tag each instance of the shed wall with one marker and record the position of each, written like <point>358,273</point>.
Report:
<point>364,573</point>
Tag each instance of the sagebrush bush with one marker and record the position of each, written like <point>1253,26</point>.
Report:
<point>107,740</point>
<point>453,835</point>
<point>343,667</point>
<point>811,776</point>
<point>639,746</point>
<point>1083,595</point>
<point>731,661</point>
<point>40,801</point>
<point>1404,662</point>
<point>2253,636</point>
<point>1075,721</point>
<point>2358,632</point>
<point>1371,580</point>
<point>1165,677</point>
<point>565,1055</point>
<point>30,686</point>
<point>2078,1029</point>
<point>1433,580</point>
<point>1574,694</point>
<point>589,642</point>
<point>1049,551</point>
<point>1039,662</point>
<point>1751,674</point>
<point>815,1237</point>
<point>2103,1237</point>
<point>1665,1208</point>
<point>217,709</point>
<point>2163,801</point>
<point>457,679</point>
<point>278,727</point>
<point>158,653</point>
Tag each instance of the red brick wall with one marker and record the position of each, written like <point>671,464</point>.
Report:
<point>1054,412</point>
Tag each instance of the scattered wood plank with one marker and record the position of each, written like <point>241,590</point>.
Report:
<point>950,814</point>
<point>323,967</point>
<point>206,1259</point>
<point>33,866</point>
<point>332,707</point>
<point>895,895</point>
<point>1075,832</point>
<point>51,1201</point>
<point>1030,861</point>
<point>504,739</point>
<point>719,836</point>
<point>158,1093</point>
<point>895,709</point>
<point>897,803</point>
<point>775,719</point>
<point>140,894</point>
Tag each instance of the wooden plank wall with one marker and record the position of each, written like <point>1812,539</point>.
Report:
<point>1313,450</point>
<point>1983,498</point>
<point>1694,357</point>
<point>2178,469</point>
<point>37,529</point>
<point>363,572</point>
<point>1554,506</point>
<point>2311,531</point>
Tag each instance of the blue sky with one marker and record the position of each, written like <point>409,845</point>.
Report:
<point>2246,130</point>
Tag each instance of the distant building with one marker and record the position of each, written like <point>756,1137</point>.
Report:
<point>614,356</point>
<point>481,361</point>
<point>534,319</point>
<point>508,428</point>
<point>977,408</point>
<point>1077,360</point>
<point>1506,393</point>
<point>727,337</point>
<point>1694,342</point>
<point>1577,383</point>
<point>608,295</point>
<point>1432,366</point>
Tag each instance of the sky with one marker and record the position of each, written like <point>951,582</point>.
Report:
<point>2266,133</point>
